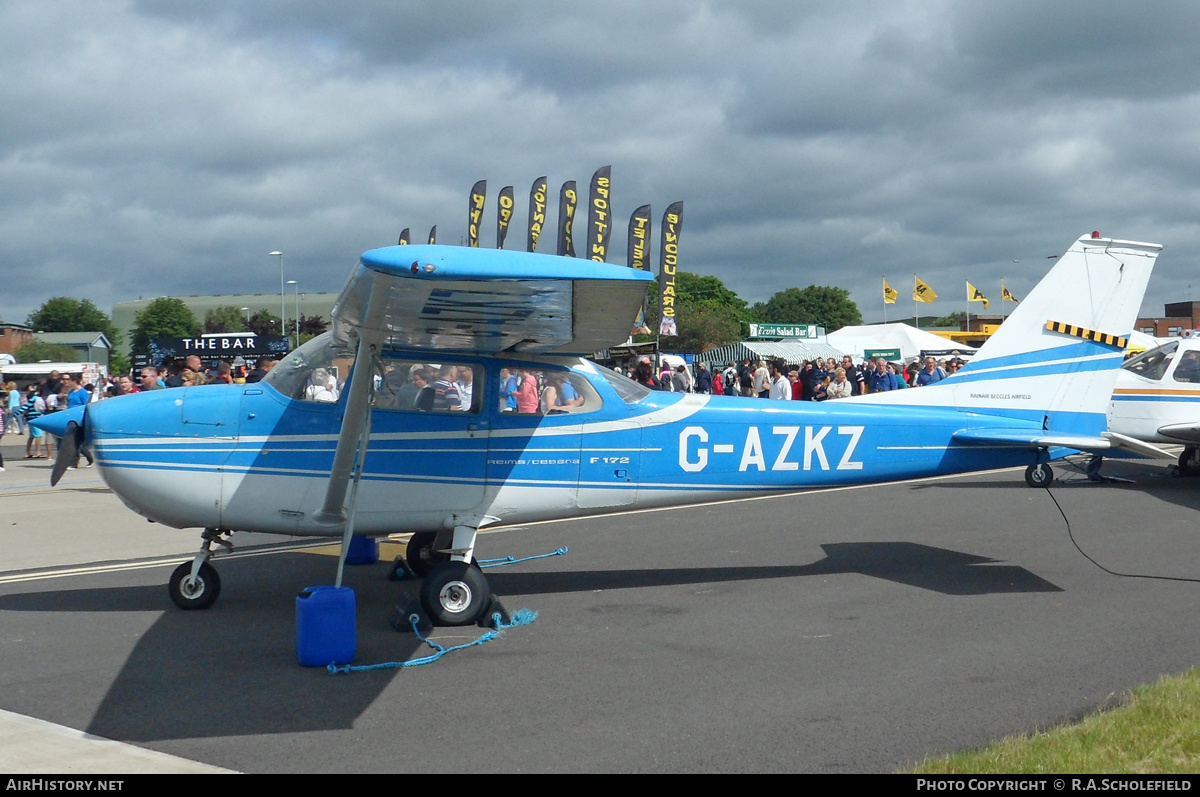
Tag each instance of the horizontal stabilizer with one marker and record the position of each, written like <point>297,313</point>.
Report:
<point>1031,439</point>
<point>1140,447</point>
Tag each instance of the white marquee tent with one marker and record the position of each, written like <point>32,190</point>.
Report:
<point>908,339</point>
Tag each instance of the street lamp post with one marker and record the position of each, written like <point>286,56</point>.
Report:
<point>296,287</point>
<point>282,298</point>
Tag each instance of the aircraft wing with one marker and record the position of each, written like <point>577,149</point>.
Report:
<point>464,299</point>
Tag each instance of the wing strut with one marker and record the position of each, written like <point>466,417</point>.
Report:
<point>355,427</point>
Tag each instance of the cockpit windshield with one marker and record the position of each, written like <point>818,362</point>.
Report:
<point>317,371</point>
<point>1152,364</point>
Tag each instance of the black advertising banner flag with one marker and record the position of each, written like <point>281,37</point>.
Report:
<point>433,234</point>
<point>567,197</point>
<point>537,212</point>
<point>638,256</point>
<point>599,223</point>
<point>404,237</point>
<point>504,214</point>
<point>638,253</point>
<point>668,258</point>
<point>475,212</point>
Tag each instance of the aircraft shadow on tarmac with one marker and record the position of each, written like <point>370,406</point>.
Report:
<point>1136,476</point>
<point>913,564</point>
<point>231,670</point>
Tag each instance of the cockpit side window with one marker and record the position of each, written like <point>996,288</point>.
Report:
<point>1188,369</point>
<point>412,386</point>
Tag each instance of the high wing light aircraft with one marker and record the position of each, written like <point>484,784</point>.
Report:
<point>345,436</point>
<point>1157,400</point>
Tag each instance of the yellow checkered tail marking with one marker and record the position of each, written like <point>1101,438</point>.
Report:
<point>1115,341</point>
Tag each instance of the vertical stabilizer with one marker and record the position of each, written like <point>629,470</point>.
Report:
<point>1054,361</point>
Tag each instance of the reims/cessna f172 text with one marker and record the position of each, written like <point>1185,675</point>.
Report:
<point>393,421</point>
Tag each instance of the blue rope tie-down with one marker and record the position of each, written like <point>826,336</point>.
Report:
<point>508,560</point>
<point>520,617</point>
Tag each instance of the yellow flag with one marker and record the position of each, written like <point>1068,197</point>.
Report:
<point>921,291</point>
<point>889,293</point>
<point>976,295</point>
<point>1006,295</point>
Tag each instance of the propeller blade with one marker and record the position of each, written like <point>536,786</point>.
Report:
<point>68,451</point>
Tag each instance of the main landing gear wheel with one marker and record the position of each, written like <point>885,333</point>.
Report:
<point>1189,461</point>
<point>455,593</point>
<point>198,594</point>
<point>420,554</point>
<point>1039,475</point>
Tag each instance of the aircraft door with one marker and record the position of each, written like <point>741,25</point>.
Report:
<point>429,440</point>
<point>533,458</point>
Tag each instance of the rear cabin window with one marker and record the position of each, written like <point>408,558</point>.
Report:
<point>546,391</point>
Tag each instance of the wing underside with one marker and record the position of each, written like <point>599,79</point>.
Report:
<point>453,298</point>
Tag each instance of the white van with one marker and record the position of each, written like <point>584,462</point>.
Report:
<point>33,373</point>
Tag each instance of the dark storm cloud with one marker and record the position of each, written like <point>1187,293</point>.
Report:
<point>163,146</point>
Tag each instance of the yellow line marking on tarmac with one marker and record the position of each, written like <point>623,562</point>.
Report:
<point>388,549</point>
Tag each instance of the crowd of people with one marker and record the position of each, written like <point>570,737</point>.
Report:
<point>61,391</point>
<point>448,387</point>
<point>814,380</point>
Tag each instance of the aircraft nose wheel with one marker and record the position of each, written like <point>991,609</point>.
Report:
<point>195,594</point>
<point>1039,475</point>
<point>455,593</point>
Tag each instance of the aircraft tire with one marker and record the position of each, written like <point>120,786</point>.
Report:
<point>1039,475</point>
<point>201,595</point>
<point>1189,462</point>
<point>455,593</point>
<point>420,554</point>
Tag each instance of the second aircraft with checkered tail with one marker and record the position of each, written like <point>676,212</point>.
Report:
<point>343,438</point>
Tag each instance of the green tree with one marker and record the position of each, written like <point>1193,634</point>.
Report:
<point>311,326</point>
<point>226,318</point>
<point>954,320</point>
<point>37,351</point>
<point>264,322</point>
<point>64,314</point>
<point>817,304</point>
<point>707,313</point>
<point>163,318</point>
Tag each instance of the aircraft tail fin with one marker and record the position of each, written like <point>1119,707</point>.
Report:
<point>1053,362</point>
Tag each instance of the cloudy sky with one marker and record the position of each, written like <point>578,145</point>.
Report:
<point>157,147</point>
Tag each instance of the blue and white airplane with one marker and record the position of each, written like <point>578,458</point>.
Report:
<point>394,420</point>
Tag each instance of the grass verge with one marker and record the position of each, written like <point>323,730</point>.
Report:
<point>1155,730</point>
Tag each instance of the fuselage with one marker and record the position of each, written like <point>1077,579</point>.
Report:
<point>258,457</point>
<point>1157,395</point>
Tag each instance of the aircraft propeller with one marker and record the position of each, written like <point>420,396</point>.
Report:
<point>68,450</point>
